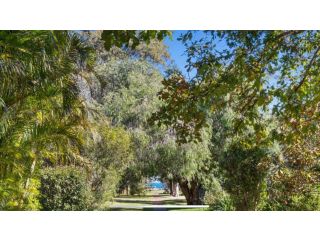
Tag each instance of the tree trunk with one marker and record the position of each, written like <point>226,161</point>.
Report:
<point>192,191</point>
<point>175,189</point>
<point>127,190</point>
<point>26,186</point>
<point>171,187</point>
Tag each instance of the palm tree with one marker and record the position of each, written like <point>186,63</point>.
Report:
<point>40,111</point>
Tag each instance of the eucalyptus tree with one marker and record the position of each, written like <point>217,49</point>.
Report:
<point>110,157</point>
<point>188,164</point>
<point>123,91</point>
<point>130,97</point>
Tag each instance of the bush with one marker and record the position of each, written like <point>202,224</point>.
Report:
<point>309,201</point>
<point>223,203</point>
<point>137,188</point>
<point>217,198</point>
<point>105,188</point>
<point>64,188</point>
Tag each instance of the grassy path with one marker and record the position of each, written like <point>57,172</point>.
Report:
<point>154,200</point>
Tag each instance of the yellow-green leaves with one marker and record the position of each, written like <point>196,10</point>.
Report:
<point>131,38</point>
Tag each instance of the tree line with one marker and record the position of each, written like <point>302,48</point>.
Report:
<point>87,115</point>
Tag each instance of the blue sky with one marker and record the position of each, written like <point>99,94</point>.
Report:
<point>177,49</point>
<point>179,57</point>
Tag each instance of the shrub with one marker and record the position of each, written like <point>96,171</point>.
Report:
<point>222,203</point>
<point>64,188</point>
<point>137,188</point>
<point>217,198</point>
<point>298,201</point>
<point>106,188</point>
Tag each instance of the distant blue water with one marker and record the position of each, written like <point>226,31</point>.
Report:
<point>156,185</point>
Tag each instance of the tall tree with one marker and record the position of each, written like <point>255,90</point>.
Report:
<point>268,69</point>
<point>187,164</point>
<point>40,114</point>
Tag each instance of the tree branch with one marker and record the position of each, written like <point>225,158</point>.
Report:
<point>296,88</point>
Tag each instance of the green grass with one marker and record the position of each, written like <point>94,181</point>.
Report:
<point>188,209</point>
<point>130,203</point>
<point>168,209</point>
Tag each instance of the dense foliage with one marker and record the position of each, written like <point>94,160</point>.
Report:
<point>88,115</point>
<point>257,75</point>
<point>63,189</point>
<point>40,114</point>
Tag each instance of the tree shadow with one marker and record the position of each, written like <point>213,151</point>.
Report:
<point>130,201</point>
<point>174,202</point>
<point>152,202</point>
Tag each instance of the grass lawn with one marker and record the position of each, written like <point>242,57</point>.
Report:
<point>152,201</point>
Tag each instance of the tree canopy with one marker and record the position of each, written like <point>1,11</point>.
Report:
<point>89,115</point>
<point>271,70</point>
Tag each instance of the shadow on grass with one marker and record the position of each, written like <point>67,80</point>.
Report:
<point>159,209</point>
<point>124,209</point>
<point>143,196</point>
<point>128,201</point>
<point>174,202</point>
<point>150,202</point>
